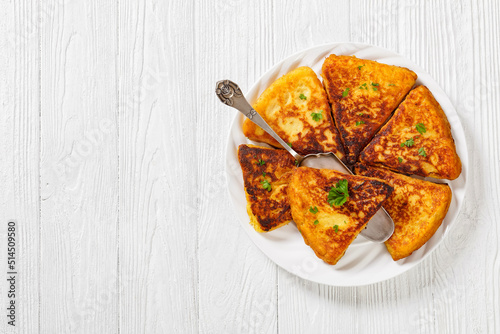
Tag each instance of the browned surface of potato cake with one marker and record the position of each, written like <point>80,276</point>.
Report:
<point>417,140</point>
<point>417,208</point>
<point>363,94</point>
<point>266,173</point>
<point>328,229</point>
<point>296,107</point>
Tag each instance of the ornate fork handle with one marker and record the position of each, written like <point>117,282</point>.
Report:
<point>230,94</point>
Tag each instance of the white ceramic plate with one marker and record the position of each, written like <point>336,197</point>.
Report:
<point>364,262</point>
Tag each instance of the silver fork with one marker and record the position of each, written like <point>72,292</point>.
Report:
<point>379,228</point>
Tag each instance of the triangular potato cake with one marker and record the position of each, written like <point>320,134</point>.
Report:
<point>363,94</point>
<point>296,107</point>
<point>266,173</point>
<point>417,140</point>
<point>327,228</point>
<point>417,208</point>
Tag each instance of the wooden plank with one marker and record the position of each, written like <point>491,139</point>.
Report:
<point>79,167</point>
<point>474,247</point>
<point>304,306</point>
<point>159,190</point>
<point>238,283</point>
<point>19,162</point>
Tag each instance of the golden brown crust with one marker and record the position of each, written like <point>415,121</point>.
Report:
<point>309,187</point>
<point>417,208</point>
<point>375,90</point>
<point>267,210</point>
<point>290,116</point>
<point>440,160</point>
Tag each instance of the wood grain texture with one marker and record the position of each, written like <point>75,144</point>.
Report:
<point>237,283</point>
<point>79,167</point>
<point>113,164</point>
<point>158,231</point>
<point>19,159</point>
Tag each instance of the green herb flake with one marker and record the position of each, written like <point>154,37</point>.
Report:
<point>316,222</point>
<point>289,144</point>
<point>400,159</point>
<point>408,143</point>
<point>296,163</point>
<point>360,67</point>
<point>421,151</point>
<point>264,174</point>
<point>266,185</point>
<point>336,228</point>
<point>345,92</point>
<point>421,128</point>
<point>261,162</point>
<point>313,210</point>
<point>359,123</point>
<point>391,84</point>
<point>302,97</point>
<point>339,194</point>
<point>360,114</point>
<point>317,116</point>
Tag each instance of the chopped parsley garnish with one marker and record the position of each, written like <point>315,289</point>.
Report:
<point>339,194</point>
<point>316,222</point>
<point>421,151</point>
<point>266,185</point>
<point>364,86</point>
<point>421,128</point>
<point>316,116</point>
<point>336,228</point>
<point>313,210</point>
<point>392,85</point>
<point>360,114</point>
<point>302,97</point>
<point>289,144</point>
<point>261,162</point>
<point>408,143</point>
<point>359,123</point>
<point>360,67</point>
<point>375,84</point>
<point>296,162</point>
<point>400,159</point>
<point>264,174</point>
<point>345,92</point>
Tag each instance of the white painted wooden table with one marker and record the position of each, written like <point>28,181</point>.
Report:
<point>112,164</point>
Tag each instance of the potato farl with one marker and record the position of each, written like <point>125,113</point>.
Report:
<point>417,140</point>
<point>267,209</point>
<point>363,94</point>
<point>332,228</point>
<point>296,107</point>
<point>417,208</point>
